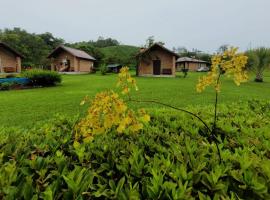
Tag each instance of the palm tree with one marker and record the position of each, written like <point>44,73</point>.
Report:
<point>259,60</point>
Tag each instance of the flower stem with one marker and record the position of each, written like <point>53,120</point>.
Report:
<point>175,108</point>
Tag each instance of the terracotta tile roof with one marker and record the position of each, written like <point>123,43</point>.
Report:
<point>75,52</point>
<point>11,49</point>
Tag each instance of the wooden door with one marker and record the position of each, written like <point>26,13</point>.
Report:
<point>156,67</point>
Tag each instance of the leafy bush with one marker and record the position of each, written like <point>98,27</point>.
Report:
<point>5,86</point>
<point>40,77</point>
<point>169,159</point>
<point>103,69</point>
<point>11,75</point>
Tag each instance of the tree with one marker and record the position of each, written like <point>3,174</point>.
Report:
<point>104,42</point>
<point>195,53</point>
<point>50,40</point>
<point>223,48</point>
<point>181,50</point>
<point>31,45</point>
<point>151,40</point>
<point>259,60</point>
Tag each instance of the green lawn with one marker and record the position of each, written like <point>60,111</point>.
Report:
<point>25,107</point>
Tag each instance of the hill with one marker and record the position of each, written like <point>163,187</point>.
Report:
<point>123,54</point>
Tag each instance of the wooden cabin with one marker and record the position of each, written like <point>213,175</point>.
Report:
<point>156,61</point>
<point>10,59</point>
<point>191,64</point>
<point>67,59</point>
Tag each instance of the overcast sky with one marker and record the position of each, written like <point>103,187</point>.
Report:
<point>201,24</point>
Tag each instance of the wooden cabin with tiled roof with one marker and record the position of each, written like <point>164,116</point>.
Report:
<point>156,61</point>
<point>67,59</point>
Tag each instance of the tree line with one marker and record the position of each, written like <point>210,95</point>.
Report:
<point>36,47</point>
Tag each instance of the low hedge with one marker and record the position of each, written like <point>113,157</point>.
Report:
<point>40,77</point>
<point>169,159</point>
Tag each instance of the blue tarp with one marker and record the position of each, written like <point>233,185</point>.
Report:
<point>23,81</point>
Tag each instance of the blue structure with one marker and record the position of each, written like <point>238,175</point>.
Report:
<point>22,81</point>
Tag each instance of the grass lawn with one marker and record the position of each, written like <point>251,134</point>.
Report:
<point>25,107</point>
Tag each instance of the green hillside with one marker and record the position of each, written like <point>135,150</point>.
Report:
<point>123,54</point>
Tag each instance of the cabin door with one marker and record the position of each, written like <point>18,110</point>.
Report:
<point>156,67</point>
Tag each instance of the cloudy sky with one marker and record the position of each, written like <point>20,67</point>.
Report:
<point>201,24</point>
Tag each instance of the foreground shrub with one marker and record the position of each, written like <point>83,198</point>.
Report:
<point>107,112</point>
<point>168,159</point>
<point>40,77</point>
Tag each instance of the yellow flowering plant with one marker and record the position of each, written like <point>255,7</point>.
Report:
<point>108,112</point>
<point>230,63</point>
<point>126,82</point>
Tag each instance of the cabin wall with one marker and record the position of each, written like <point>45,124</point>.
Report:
<point>85,65</point>
<point>167,62</point>
<point>76,64</point>
<point>10,60</point>
<point>57,61</point>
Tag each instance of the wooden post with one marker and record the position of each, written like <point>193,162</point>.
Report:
<point>174,66</point>
<point>75,63</point>
<point>18,65</point>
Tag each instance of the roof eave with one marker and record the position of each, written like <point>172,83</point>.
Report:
<point>13,50</point>
<point>164,48</point>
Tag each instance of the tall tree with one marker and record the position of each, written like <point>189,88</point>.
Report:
<point>50,40</point>
<point>259,60</point>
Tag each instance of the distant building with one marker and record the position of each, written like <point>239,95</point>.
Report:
<point>156,61</point>
<point>67,59</point>
<point>10,59</point>
<point>114,68</point>
<point>191,64</point>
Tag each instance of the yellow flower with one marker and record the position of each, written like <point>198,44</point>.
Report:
<point>85,99</point>
<point>136,127</point>
<point>125,81</point>
<point>107,112</point>
<point>231,63</point>
<point>120,129</point>
<point>145,118</point>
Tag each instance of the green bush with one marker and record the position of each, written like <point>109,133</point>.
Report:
<point>169,159</point>
<point>11,76</point>
<point>103,69</point>
<point>5,86</point>
<point>40,77</point>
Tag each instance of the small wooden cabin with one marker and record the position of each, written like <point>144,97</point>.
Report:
<point>156,61</point>
<point>67,59</point>
<point>10,59</point>
<point>191,64</point>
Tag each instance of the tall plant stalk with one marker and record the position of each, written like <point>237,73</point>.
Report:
<point>211,132</point>
<point>216,103</point>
